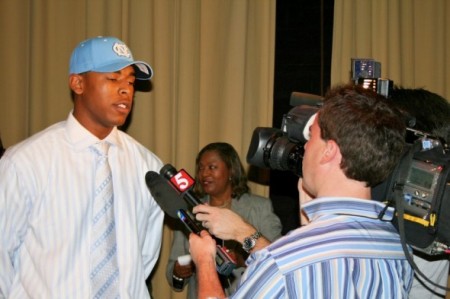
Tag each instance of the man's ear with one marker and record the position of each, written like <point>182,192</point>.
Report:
<point>331,152</point>
<point>76,83</point>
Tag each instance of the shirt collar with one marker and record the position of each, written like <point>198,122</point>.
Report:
<point>81,138</point>
<point>347,206</point>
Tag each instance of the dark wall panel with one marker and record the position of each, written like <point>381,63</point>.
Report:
<point>302,63</point>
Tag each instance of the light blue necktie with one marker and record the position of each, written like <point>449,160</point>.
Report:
<point>104,269</point>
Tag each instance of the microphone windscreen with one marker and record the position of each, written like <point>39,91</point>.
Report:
<point>164,194</point>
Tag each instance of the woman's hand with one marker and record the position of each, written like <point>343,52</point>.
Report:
<point>185,271</point>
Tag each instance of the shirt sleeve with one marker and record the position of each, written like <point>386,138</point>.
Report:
<point>262,279</point>
<point>14,208</point>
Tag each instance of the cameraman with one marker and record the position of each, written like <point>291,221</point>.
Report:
<point>345,250</point>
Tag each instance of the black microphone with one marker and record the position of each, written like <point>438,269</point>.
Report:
<point>164,194</point>
<point>170,201</point>
<point>182,182</point>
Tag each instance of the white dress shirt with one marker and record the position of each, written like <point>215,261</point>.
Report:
<point>46,198</point>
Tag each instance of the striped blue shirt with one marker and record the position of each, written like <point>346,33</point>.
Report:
<point>46,200</point>
<point>344,252</point>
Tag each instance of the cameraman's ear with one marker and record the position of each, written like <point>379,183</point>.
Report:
<point>331,152</point>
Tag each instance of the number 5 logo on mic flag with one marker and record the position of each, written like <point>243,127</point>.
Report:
<point>182,181</point>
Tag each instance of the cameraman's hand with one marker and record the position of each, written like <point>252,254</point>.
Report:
<point>203,253</point>
<point>202,248</point>
<point>223,223</point>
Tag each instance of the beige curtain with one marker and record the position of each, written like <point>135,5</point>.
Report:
<point>411,39</point>
<point>213,62</point>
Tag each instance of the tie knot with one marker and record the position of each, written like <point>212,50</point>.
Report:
<point>101,148</point>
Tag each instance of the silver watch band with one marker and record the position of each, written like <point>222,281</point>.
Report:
<point>250,241</point>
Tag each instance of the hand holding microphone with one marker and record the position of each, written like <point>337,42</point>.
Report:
<point>183,266</point>
<point>184,184</point>
<point>169,200</point>
<point>223,223</point>
<point>203,249</point>
<point>182,270</point>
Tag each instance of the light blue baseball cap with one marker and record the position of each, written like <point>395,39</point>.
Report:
<point>106,54</point>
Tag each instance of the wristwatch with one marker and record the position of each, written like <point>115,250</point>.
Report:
<point>250,241</point>
<point>178,282</point>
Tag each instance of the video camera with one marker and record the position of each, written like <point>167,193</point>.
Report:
<point>421,180</point>
<point>282,149</point>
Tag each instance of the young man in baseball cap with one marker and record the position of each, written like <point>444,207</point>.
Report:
<point>76,217</point>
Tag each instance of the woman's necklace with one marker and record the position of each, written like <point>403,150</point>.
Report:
<point>227,204</point>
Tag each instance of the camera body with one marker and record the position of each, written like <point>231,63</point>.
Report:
<point>421,183</point>
<point>282,149</point>
<point>421,179</point>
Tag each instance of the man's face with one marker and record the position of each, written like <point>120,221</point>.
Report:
<point>104,100</point>
<point>311,160</point>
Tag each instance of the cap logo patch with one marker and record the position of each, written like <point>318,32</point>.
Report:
<point>121,50</point>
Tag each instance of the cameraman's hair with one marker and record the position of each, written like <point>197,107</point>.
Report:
<point>231,159</point>
<point>369,131</point>
<point>430,110</point>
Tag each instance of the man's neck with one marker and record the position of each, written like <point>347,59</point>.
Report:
<point>345,188</point>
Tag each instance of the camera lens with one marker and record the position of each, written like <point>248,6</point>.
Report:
<point>286,155</point>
